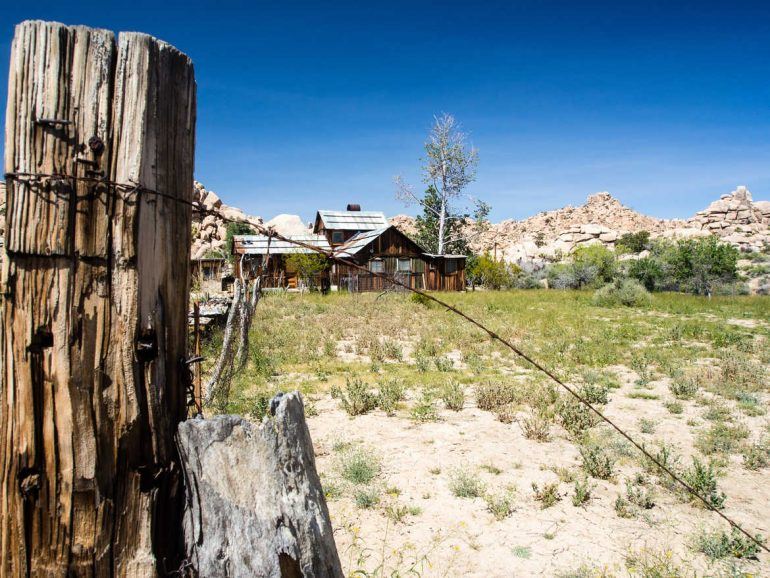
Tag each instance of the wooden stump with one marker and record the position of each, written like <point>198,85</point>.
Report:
<point>95,302</point>
<point>254,503</point>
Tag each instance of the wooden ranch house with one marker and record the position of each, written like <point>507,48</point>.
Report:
<point>364,238</point>
<point>251,255</point>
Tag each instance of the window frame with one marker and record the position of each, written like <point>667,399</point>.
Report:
<point>454,269</point>
<point>340,234</point>
<point>399,260</point>
<point>380,266</point>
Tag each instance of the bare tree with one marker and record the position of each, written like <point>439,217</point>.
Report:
<point>449,167</point>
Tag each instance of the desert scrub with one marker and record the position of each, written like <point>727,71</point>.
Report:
<point>702,479</point>
<point>359,465</point>
<point>647,563</point>
<point>719,544</point>
<point>424,410</point>
<point>665,455</point>
<point>575,417</point>
<point>548,495</point>
<point>623,292</point>
<point>595,393</point>
<point>639,493</point>
<point>684,386</point>
<point>750,404</point>
<point>501,504</point>
<point>674,407</point>
<point>597,461</point>
<point>535,426</point>
<point>367,498</point>
<point>721,438</point>
<point>757,455</point>
<point>582,494</point>
<point>493,394</point>
<point>391,393</point>
<point>453,395</point>
<point>463,483</point>
<point>646,425</point>
<point>357,398</point>
<point>505,413</point>
<point>444,364</point>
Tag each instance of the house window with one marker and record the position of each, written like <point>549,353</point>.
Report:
<point>337,237</point>
<point>404,265</point>
<point>450,266</point>
<point>376,266</point>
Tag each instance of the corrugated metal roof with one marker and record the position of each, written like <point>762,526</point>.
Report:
<point>353,220</point>
<point>257,244</point>
<point>357,242</point>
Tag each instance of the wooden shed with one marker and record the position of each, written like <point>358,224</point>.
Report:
<point>388,250</point>
<point>260,255</point>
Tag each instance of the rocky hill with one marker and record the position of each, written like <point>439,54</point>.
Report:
<point>735,217</point>
<point>210,231</point>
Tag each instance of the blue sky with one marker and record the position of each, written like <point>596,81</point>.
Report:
<point>305,105</point>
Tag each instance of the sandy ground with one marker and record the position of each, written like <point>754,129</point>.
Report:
<point>453,536</point>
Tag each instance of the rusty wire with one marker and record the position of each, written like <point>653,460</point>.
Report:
<point>131,188</point>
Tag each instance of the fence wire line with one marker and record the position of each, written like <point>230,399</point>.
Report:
<point>330,254</point>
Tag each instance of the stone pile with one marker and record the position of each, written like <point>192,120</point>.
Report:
<point>210,231</point>
<point>736,219</point>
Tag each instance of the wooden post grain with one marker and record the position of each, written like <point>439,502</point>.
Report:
<point>94,302</point>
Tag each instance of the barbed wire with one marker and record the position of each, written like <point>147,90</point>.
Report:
<point>339,258</point>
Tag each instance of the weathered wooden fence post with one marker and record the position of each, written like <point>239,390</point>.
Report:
<point>94,307</point>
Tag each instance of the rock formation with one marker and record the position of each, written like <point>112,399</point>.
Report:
<point>289,225</point>
<point>737,220</point>
<point>603,219</point>
<point>210,231</point>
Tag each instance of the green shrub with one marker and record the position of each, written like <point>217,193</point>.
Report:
<point>484,270</point>
<point>595,393</point>
<point>626,292</point>
<point>500,505</point>
<point>493,394</point>
<point>702,478</point>
<point>421,299</point>
<point>358,397</point>
<point>367,498</point>
<point>696,265</point>
<point>583,488</point>
<point>444,364</point>
<point>425,409</point>
<point>756,456</point>
<point>634,242</point>
<point>674,407</point>
<point>639,494</point>
<point>598,258</point>
<point>720,544</point>
<point>548,495</point>
<point>575,417</point>
<point>684,386</point>
<point>597,461</point>
<point>465,484</point>
<point>453,396</point>
<point>390,395</point>
<point>536,426</point>
<point>721,438</point>
<point>648,271</point>
<point>359,465</point>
